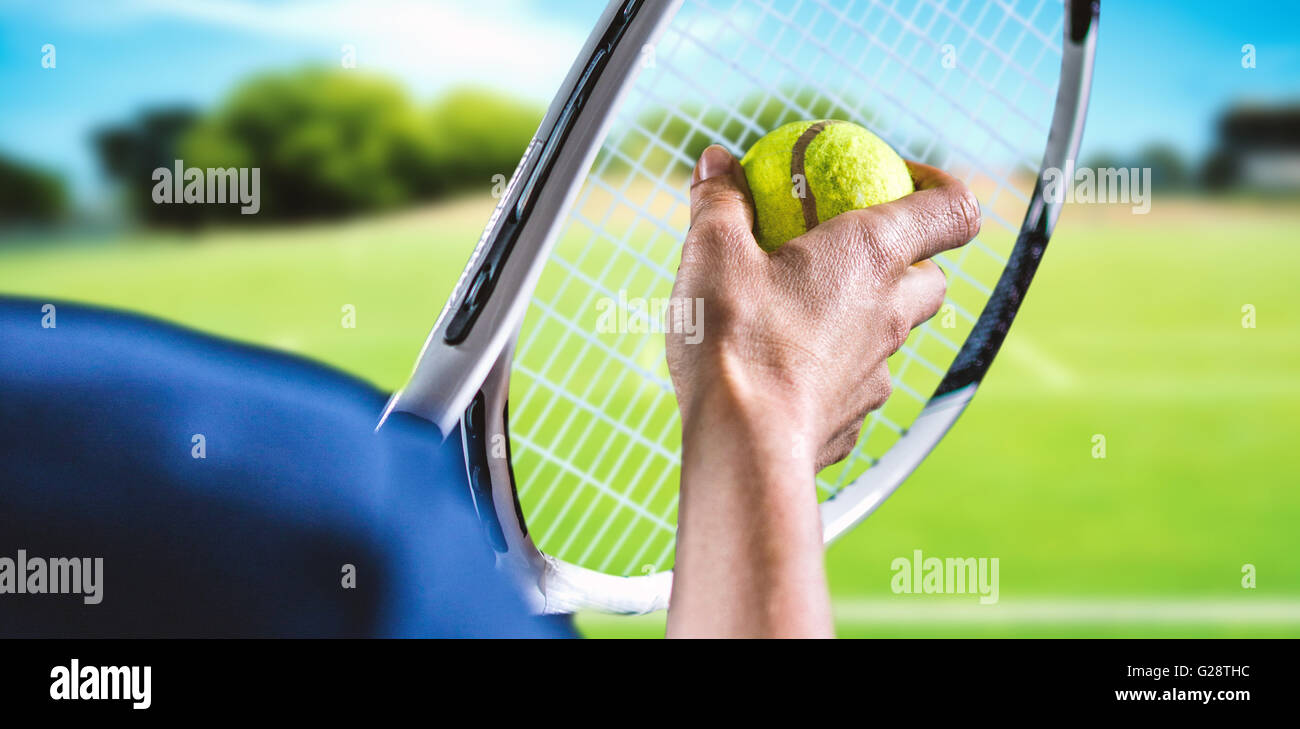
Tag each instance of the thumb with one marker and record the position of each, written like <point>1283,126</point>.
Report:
<point>719,192</point>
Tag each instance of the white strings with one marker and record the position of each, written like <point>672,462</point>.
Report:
<point>966,86</point>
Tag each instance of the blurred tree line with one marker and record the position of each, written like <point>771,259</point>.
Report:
<point>1257,148</point>
<point>327,142</point>
<point>333,142</point>
<point>29,194</point>
<point>1169,170</point>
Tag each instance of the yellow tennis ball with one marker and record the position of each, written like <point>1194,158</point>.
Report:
<point>807,172</point>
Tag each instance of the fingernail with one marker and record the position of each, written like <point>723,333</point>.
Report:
<point>715,161</point>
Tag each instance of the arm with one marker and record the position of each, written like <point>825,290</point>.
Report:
<point>791,361</point>
<point>737,575</point>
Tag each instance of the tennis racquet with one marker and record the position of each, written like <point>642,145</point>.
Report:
<point>570,429</point>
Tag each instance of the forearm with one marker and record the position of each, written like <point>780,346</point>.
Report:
<point>749,546</point>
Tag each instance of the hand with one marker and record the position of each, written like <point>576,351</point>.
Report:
<point>791,360</point>
<point>802,334</point>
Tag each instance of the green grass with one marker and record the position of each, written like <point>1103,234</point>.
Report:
<point>284,288</point>
<point>1132,331</point>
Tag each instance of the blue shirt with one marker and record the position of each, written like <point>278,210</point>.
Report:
<point>230,491</point>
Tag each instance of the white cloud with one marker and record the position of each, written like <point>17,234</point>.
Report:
<point>430,44</point>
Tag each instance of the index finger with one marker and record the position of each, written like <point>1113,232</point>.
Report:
<point>941,215</point>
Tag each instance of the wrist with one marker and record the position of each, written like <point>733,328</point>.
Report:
<point>768,420</point>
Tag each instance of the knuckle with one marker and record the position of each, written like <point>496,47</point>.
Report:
<point>841,445</point>
<point>710,227</point>
<point>899,326</point>
<point>896,244</point>
<point>796,255</point>
<point>711,230</point>
<point>884,250</point>
<point>884,387</point>
<point>965,210</point>
<point>938,288</point>
<point>845,446</point>
<point>940,275</point>
<point>722,197</point>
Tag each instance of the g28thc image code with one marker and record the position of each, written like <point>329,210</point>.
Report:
<point>1203,696</point>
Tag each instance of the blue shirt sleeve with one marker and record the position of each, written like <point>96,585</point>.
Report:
<point>230,491</point>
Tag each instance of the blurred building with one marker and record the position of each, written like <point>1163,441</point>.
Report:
<point>1258,147</point>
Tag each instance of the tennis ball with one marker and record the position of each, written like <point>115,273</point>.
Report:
<point>807,172</point>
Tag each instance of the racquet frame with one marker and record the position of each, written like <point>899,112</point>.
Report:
<point>461,378</point>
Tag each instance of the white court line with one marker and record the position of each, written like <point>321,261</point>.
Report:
<point>953,609</point>
<point>964,610</point>
<point>1044,367</point>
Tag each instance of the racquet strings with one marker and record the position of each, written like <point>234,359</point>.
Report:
<point>966,86</point>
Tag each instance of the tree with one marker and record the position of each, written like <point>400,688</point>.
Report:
<point>29,194</point>
<point>130,152</point>
<point>1168,170</point>
<point>326,141</point>
<point>476,134</point>
<point>1221,170</point>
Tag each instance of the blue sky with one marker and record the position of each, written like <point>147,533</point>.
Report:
<point>1164,68</point>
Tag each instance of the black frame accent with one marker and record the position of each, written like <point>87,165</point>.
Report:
<point>488,273</point>
<point>990,330</point>
<point>478,461</point>
<point>480,477</point>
